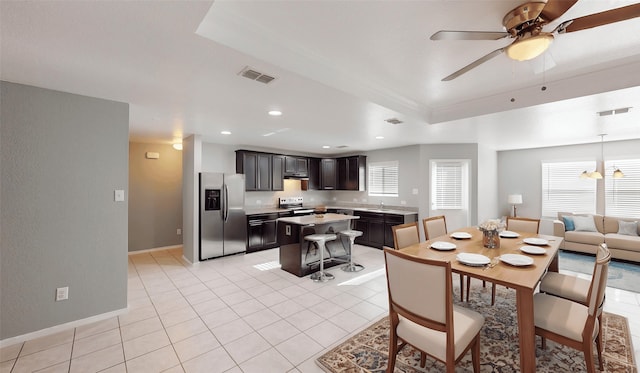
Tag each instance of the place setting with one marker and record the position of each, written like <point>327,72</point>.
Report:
<point>443,246</point>
<point>460,235</point>
<point>509,234</point>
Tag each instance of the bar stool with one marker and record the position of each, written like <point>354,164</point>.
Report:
<point>352,267</point>
<point>320,240</point>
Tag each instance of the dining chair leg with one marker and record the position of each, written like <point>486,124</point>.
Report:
<point>588,355</point>
<point>599,343</point>
<point>475,355</point>
<point>462,288</point>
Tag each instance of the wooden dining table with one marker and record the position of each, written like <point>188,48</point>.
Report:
<point>523,279</point>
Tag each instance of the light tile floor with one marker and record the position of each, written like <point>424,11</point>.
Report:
<point>234,314</point>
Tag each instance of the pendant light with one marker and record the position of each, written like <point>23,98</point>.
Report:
<point>617,174</point>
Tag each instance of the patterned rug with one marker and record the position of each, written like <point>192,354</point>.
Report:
<point>367,350</point>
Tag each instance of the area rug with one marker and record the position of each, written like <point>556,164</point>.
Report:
<point>622,275</point>
<point>367,351</point>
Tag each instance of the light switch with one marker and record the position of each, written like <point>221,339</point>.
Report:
<point>118,195</point>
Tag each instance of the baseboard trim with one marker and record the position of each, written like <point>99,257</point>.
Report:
<point>62,327</point>
<point>155,249</point>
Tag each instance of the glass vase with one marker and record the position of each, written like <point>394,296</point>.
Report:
<point>490,239</point>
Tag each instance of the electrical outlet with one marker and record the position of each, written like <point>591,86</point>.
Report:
<point>62,293</point>
<point>178,231</point>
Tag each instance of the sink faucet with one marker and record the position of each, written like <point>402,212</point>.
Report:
<point>381,205</point>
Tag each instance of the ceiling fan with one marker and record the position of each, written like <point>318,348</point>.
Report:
<point>525,24</point>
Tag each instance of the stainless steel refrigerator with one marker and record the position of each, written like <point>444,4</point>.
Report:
<point>223,224</point>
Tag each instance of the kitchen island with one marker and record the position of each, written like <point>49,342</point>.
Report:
<point>301,257</point>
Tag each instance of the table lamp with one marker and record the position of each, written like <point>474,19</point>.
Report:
<point>514,199</point>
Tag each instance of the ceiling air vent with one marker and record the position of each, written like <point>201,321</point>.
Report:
<point>621,110</point>
<point>252,74</point>
<point>342,146</point>
<point>393,121</point>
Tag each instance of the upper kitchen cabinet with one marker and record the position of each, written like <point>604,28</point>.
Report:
<point>352,173</point>
<point>296,166</point>
<point>262,171</point>
<point>313,183</point>
<point>277,171</point>
<point>328,174</point>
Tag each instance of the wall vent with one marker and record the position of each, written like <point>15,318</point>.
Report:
<point>621,110</point>
<point>393,121</point>
<point>252,74</point>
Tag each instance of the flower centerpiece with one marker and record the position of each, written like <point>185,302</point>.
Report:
<point>490,235</point>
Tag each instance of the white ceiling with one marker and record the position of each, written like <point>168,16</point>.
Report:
<point>341,68</point>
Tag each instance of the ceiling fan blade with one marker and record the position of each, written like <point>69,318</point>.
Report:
<point>469,35</point>
<point>556,8</point>
<point>474,64</point>
<point>603,18</point>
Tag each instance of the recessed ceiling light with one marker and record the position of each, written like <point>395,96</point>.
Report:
<point>225,132</point>
<point>325,146</point>
<point>379,137</point>
<point>275,113</point>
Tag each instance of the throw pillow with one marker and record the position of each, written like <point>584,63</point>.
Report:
<point>584,223</point>
<point>628,228</point>
<point>568,223</point>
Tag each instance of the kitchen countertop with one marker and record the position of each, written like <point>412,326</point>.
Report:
<point>314,219</point>
<point>270,210</point>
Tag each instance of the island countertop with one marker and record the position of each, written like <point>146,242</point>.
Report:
<point>313,219</point>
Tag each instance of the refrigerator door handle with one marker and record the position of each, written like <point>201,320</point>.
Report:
<point>225,217</point>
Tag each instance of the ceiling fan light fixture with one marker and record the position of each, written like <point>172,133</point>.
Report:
<point>530,47</point>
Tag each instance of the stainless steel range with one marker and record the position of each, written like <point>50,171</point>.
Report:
<point>295,205</point>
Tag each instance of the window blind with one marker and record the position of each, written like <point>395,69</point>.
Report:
<point>564,190</point>
<point>383,179</point>
<point>446,185</point>
<point>622,196</point>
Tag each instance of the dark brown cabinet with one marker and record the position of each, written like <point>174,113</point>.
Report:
<point>314,175</point>
<point>296,166</point>
<point>328,174</point>
<point>262,232</point>
<point>352,173</point>
<point>262,171</point>
<point>277,172</point>
<point>376,227</point>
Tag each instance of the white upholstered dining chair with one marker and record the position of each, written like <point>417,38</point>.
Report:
<point>425,316</point>
<point>523,224</point>
<point>574,288</point>
<point>571,323</point>
<point>405,235</point>
<point>436,226</point>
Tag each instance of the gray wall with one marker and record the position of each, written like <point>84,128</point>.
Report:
<point>155,196</point>
<point>519,171</point>
<point>62,157</point>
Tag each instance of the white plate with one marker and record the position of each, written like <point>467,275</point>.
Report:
<point>516,259</point>
<point>533,250</point>
<point>461,235</point>
<point>475,260</point>
<point>536,241</point>
<point>441,245</point>
<point>509,234</point>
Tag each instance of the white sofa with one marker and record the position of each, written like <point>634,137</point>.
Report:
<point>622,246</point>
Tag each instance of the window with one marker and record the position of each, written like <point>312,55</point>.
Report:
<point>383,179</point>
<point>448,184</point>
<point>564,190</point>
<point>622,196</point>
